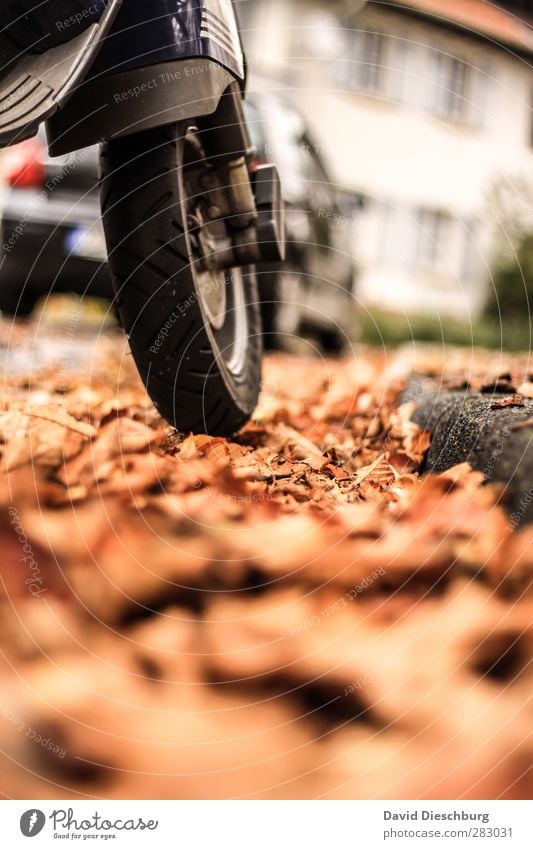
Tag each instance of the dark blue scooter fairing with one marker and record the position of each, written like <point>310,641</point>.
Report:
<point>37,81</point>
<point>163,62</point>
<point>37,26</point>
<point>167,30</point>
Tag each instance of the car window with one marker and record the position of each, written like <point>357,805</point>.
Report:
<point>279,134</point>
<point>313,172</point>
<point>256,128</point>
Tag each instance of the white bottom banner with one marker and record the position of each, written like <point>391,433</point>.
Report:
<point>267,825</point>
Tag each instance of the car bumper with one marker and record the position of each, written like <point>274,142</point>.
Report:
<point>57,245</point>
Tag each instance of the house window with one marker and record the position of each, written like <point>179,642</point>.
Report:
<point>473,259</point>
<point>434,229</point>
<point>246,15</point>
<point>531,121</point>
<point>362,68</point>
<point>451,90</point>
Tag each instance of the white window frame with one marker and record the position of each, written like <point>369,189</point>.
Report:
<point>452,87</point>
<point>363,67</point>
<point>434,238</point>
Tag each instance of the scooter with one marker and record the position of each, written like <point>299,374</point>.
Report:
<point>160,85</point>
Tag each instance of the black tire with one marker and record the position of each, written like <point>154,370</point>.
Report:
<point>17,300</point>
<point>332,342</point>
<point>283,326</point>
<point>200,376</point>
<point>269,298</point>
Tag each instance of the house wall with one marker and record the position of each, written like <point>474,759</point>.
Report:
<point>425,176</point>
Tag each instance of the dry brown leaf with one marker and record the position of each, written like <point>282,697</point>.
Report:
<point>293,613</point>
<point>509,401</point>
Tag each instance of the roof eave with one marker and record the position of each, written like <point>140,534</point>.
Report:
<point>510,47</point>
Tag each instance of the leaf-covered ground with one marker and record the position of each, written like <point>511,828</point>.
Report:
<point>297,613</point>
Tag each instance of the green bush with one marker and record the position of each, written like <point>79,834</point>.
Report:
<point>389,329</point>
<point>511,298</point>
<point>505,323</point>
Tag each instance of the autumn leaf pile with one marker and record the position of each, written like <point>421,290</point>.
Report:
<point>294,613</point>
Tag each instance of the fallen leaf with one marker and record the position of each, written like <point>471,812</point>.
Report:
<point>510,401</point>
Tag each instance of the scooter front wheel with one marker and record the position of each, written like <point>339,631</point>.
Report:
<point>194,330</point>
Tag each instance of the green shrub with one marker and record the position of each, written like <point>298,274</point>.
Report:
<point>511,297</point>
<point>389,329</point>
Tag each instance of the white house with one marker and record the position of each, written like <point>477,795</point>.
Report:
<point>420,107</point>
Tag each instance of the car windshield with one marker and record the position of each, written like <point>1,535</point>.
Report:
<point>256,128</point>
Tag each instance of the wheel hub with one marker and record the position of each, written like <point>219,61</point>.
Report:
<point>212,292</point>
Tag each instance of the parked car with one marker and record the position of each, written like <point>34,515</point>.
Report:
<point>313,292</point>
<point>52,238</point>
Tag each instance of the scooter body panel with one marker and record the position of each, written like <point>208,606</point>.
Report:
<point>40,64</point>
<point>162,62</point>
<point>37,27</point>
<point>168,30</point>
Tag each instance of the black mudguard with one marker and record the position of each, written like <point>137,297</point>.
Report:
<point>137,100</point>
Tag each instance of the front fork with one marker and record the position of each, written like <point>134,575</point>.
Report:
<point>248,201</point>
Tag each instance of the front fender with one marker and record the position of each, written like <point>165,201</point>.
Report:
<point>138,100</point>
